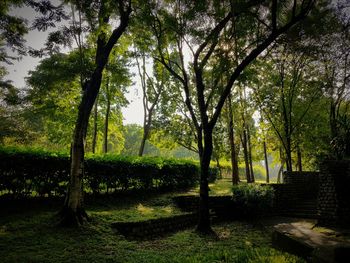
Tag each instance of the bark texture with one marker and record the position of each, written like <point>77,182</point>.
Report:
<point>108,110</point>
<point>94,134</point>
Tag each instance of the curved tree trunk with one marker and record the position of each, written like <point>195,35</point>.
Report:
<point>73,212</point>
<point>94,134</point>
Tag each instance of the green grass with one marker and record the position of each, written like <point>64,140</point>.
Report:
<point>220,187</point>
<point>30,235</point>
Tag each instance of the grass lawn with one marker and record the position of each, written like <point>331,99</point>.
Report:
<point>220,187</point>
<point>30,235</point>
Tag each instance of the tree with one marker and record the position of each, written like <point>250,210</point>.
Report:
<point>53,96</point>
<point>116,79</point>
<point>73,212</point>
<point>152,88</point>
<point>233,149</point>
<point>185,25</point>
<point>286,97</point>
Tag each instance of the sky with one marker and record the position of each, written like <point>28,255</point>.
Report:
<point>133,113</point>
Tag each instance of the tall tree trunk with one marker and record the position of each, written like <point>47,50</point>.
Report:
<point>217,159</point>
<point>73,212</point>
<point>300,165</point>
<point>147,111</point>
<point>146,130</point>
<point>234,159</point>
<point>252,179</point>
<point>205,153</point>
<point>246,157</point>
<point>280,171</point>
<point>266,164</point>
<point>108,110</point>
<point>94,134</point>
<point>142,74</point>
<point>332,119</point>
<point>143,140</point>
<point>288,150</point>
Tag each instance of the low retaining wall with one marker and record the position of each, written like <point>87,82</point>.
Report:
<point>155,227</point>
<point>222,206</point>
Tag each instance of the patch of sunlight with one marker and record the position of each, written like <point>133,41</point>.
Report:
<point>104,213</point>
<point>220,187</point>
<point>222,192</point>
<point>325,230</point>
<point>144,209</point>
<point>168,209</point>
<point>224,234</point>
<point>248,243</point>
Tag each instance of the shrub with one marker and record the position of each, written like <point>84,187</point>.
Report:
<point>252,199</point>
<point>25,172</point>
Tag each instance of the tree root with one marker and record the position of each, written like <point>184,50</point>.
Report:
<point>70,218</point>
<point>206,231</point>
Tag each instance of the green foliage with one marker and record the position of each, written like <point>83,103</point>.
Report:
<point>252,199</point>
<point>340,144</point>
<point>28,172</point>
<point>259,172</point>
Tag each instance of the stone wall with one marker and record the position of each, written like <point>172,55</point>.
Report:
<point>334,195</point>
<point>155,227</point>
<point>296,187</point>
<point>304,181</point>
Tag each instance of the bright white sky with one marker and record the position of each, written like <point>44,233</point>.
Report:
<point>133,113</point>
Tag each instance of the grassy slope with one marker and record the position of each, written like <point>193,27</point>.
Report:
<point>30,235</point>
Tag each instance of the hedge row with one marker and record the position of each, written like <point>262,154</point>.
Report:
<point>26,173</point>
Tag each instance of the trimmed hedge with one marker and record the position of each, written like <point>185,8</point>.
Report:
<point>26,173</point>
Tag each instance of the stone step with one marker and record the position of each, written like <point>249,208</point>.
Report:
<point>299,238</point>
<point>300,215</point>
<point>299,208</point>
